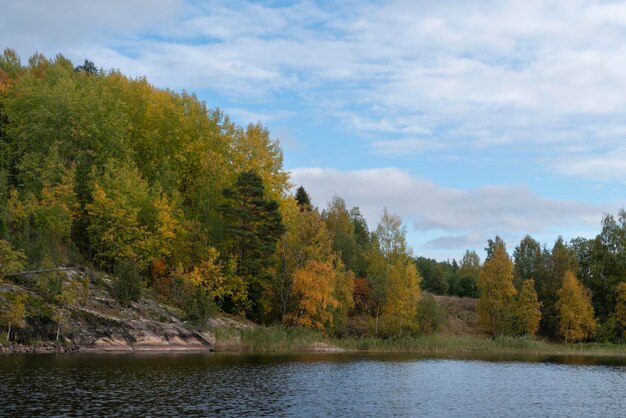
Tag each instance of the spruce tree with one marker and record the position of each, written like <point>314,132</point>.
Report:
<point>303,199</point>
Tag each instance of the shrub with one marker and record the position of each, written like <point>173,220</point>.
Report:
<point>430,316</point>
<point>127,284</point>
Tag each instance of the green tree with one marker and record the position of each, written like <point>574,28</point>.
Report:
<point>254,225</point>
<point>303,199</point>
<point>468,274</point>
<point>561,260</point>
<point>620,309</point>
<point>118,227</point>
<point>433,274</point>
<point>493,245</point>
<point>528,260</point>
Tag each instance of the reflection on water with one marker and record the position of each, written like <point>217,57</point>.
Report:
<point>310,385</point>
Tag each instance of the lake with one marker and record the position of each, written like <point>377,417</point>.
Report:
<point>140,384</point>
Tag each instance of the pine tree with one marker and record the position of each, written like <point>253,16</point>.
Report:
<point>253,226</point>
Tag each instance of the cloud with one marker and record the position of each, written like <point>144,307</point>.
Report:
<point>603,167</point>
<point>533,75</point>
<point>460,217</point>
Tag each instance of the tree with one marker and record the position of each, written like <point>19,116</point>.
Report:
<point>11,260</point>
<point>619,315</point>
<point>468,274</point>
<point>496,292</point>
<point>306,239</point>
<point>303,199</point>
<point>393,277</point>
<point>64,301</point>
<point>528,309</point>
<point>88,67</point>
<point>561,260</point>
<point>363,242</point>
<point>399,308</point>
<point>253,226</point>
<point>341,229</point>
<point>493,245</point>
<point>391,236</point>
<point>118,227</point>
<point>15,313</point>
<point>313,288</point>
<point>528,259</point>
<point>576,318</point>
<point>220,283</point>
<point>433,275</point>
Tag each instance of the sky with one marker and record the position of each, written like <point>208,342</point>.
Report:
<point>467,119</point>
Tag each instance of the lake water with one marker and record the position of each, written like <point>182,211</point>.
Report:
<point>309,385</point>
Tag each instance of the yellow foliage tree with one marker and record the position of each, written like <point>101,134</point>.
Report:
<point>11,260</point>
<point>576,317</point>
<point>220,281</point>
<point>528,309</point>
<point>314,289</point>
<point>399,307</point>
<point>15,314</point>
<point>306,239</point>
<point>496,292</point>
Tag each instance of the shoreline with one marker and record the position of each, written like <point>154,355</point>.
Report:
<point>427,346</point>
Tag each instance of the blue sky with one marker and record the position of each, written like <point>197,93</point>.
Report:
<point>468,119</point>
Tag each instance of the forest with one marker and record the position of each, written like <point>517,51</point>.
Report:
<point>171,197</point>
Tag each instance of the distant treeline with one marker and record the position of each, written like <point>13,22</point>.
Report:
<point>168,195</point>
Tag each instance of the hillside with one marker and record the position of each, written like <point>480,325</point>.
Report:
<point>96,320</point>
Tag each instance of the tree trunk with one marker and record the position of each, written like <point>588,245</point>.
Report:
<point>9,333</point>
<point>59,326</point>
<point>377,314</point>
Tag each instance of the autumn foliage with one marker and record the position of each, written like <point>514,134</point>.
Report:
<point>576,319</point>
<point>313,289</point>
<point>159,190</point>
<point>496,292</point>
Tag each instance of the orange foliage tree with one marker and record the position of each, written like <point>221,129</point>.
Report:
<point>314,289</point>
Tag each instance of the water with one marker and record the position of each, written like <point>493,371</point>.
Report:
<point>309,385</point>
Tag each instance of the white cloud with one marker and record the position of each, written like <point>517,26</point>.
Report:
<point>602,167</point>
<point>532,74</point>
<point>460,217</point>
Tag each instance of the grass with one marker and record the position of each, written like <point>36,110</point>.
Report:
<point>449,344</point>
<point>274,339</point>
<point>279,339</point>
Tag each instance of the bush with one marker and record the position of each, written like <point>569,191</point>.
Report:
<point>127,283</point>
<point>199,306</point>
<point>430,316</point>
<point>611,331</point>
